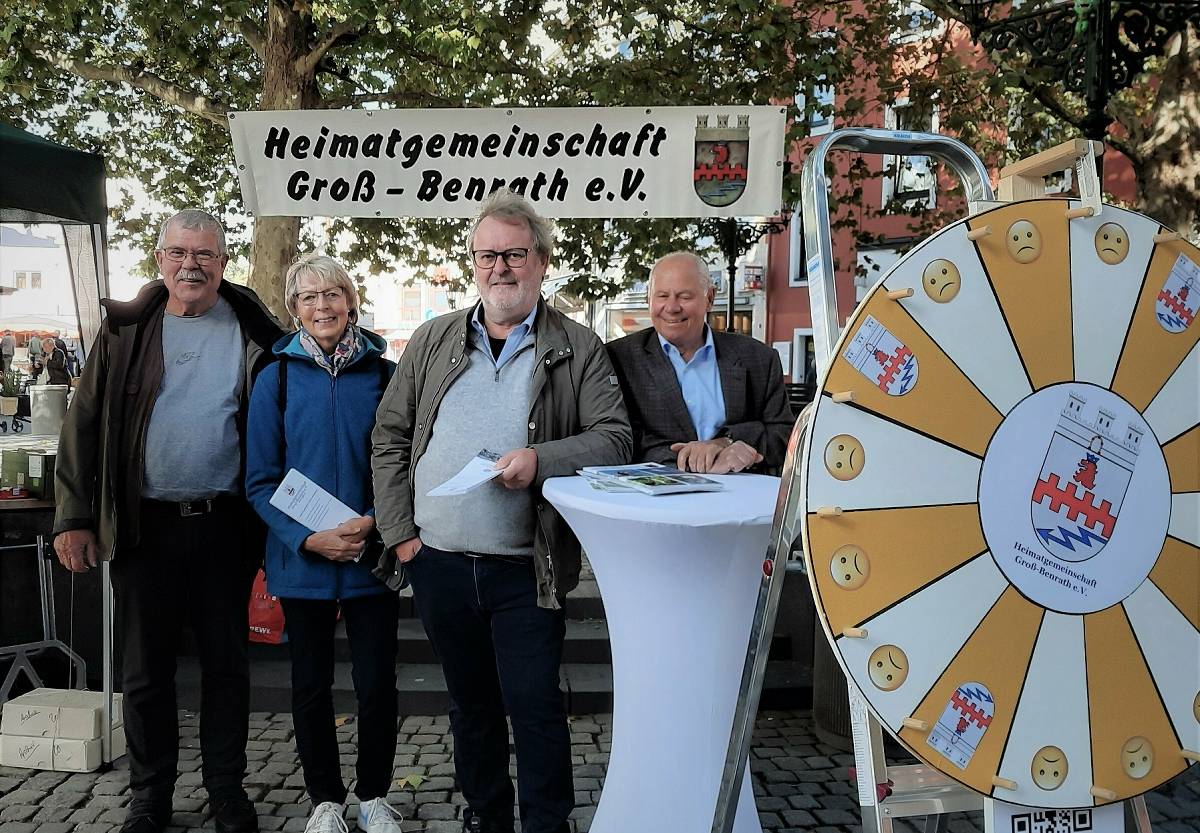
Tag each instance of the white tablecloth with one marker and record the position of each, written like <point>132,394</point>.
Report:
<point>679,575</point>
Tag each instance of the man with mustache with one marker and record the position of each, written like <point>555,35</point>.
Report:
<point>490,569</point>
<point>150,470</point>
<point>698,399</point>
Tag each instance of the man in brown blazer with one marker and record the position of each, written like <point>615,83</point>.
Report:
<point>702,400</point>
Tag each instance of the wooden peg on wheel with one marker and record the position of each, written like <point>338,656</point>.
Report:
<point>1190,755</point>
<point>843,396</point>
<point>1102,793</point>
<point>915,724</point>
<point>1081,212</point>
<point>854,633</point>
<point>897,294</point>
<point>828,511</point>
<point>979,233</point>
<point>1004,783</point>
<point>1167,236</point>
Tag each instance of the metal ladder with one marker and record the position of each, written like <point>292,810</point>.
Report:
<point>915,790</point>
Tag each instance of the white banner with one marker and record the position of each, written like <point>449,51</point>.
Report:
<point>570,162</point>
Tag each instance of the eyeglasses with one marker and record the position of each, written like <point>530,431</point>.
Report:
<point>486,258</point>
<point>308,299</point>
<point>178,255</point>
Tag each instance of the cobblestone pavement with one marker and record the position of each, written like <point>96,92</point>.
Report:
<point>801,784</point>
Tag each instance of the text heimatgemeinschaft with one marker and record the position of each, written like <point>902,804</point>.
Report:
<point>282,143</point>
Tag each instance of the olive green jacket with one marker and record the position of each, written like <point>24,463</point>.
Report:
<point>576,418</point>
<point>99,470</point>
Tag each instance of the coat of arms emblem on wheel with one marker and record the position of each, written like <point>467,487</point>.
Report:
<point>720,171</point>
<point>1175,305</point>
<point>1082,484</point>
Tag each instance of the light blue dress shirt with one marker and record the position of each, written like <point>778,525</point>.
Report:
<point>511,344</point>
<point>700,383</point>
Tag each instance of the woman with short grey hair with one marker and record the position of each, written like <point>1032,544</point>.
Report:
<point>324,270</point>
<point>313,411</point>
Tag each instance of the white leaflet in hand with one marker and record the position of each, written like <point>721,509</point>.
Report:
<point>304,501</point>
<point>479,470</point>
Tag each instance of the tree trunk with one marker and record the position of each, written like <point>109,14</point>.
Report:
<point>271,253</point>
<point>1167,159</point>
<point>276,239</point>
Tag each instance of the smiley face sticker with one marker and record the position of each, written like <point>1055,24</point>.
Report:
<point>941,280</point>
<point>850,567</point>
<point>1024,241</point>
<point>1049,768</point>
<point>1112,243</point>
<point>887,667</point>
<point>845,457</point>
<point>1137,757</point>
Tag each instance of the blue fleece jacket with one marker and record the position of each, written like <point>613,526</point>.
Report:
<point>328,439</point>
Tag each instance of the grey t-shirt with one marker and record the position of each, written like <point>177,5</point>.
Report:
<point>192,443</point>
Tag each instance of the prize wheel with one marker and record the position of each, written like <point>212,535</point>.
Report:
<point>1001,485</point>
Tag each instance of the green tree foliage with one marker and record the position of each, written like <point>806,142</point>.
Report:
<point>148,83</point>
<point>1155,117</point>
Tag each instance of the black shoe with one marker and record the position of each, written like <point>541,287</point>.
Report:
<point>475,823</point>
<point>235,815</point>
<point>147,817</point>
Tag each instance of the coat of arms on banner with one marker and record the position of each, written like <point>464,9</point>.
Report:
<point>881,357</point>
<point>957,733</point>
<point>1085,475</point>
<point>720,172</point>
<point>1176,302</point>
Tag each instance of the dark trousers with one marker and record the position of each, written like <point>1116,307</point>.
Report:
<point>499,651</point>
<point>371,623</point>
<point>184,569</point>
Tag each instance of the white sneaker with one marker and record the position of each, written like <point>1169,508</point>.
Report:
<point>326,818</point>
<point>377,816</point>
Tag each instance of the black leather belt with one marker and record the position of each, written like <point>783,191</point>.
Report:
<point>192,508</point>
<point>188,508</point>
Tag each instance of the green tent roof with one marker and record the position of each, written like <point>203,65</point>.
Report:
<point>44,182</point>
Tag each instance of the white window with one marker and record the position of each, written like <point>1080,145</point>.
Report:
<point>801,278</point>
<point>1061,182</point>
<point>804,357</point>
<point>916,22</point>
<point>35,280</point>
<point>873,264</point>
<point>910,180</point>
<point>820,119</point>
<point>22,280</point>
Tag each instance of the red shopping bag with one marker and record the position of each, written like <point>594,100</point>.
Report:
<point>266,614</point>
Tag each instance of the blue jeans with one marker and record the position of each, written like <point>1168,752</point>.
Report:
<point>500,652</point>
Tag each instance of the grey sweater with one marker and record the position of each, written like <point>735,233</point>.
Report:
<point>484,408</point>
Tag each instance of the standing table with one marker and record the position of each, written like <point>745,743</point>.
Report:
<point>679,576</point>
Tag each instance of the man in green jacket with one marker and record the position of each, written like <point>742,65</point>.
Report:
<point>490,568</point>
<point>149,474</point>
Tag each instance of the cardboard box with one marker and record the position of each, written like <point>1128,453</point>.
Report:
<point>58,713</point>
<point>58,754</point>
<point>41,474</point>
<point>14,467</point>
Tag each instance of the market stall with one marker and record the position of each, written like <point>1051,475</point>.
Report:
<point>45,182</point>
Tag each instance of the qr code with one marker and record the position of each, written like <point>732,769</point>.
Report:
<point>1053,821</point>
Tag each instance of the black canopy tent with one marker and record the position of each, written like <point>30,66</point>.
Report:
<point>44,182</point>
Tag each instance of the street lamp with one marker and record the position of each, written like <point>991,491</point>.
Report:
<point>1096,47</point>
<point>734,238</point>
